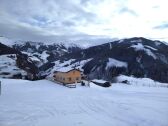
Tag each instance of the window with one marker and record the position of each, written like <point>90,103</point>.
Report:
<point>77,78</point>
<point>69,78</point>
<point>63,78</point>
<point>73,72</point>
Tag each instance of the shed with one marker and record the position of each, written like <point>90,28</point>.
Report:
<point>102,83</point>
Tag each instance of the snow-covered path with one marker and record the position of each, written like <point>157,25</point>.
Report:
<point>44,103</point>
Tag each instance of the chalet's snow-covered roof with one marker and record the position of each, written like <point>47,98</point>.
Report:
<point>65,69</point>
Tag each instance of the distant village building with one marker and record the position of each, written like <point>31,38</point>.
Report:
<point>67,75</point>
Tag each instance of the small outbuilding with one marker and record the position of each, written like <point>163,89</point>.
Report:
<point>102,83</point>
<point>67,75</point>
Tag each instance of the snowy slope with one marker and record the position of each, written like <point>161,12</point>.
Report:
<point>136,56</point>
<point>44,103</point>
<point>139,81</point>
<point>6,41</point>
<point>38,58</point>
<point>69,64</point>
<point>113,62</point>
<point>140,47</point>
<point>8,67</point>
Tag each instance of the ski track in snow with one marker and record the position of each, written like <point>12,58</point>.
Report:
<point>41,103</point>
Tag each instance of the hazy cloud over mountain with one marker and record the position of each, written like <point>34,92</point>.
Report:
<point>85,21</point>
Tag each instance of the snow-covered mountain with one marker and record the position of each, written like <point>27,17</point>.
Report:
<point>35,57</point>
<point>6,41</point>
<point>139,57</point>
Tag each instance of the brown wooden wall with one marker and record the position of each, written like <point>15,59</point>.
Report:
<point>69,77</point>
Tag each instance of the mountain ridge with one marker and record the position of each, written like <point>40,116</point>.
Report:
<point>144,58</point>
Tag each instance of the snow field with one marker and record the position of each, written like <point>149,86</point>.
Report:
<point>44,103</point>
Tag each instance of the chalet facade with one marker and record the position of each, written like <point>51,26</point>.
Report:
<point>67,75</point>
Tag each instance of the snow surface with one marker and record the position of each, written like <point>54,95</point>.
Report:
<point>10,41</point>
<point>64,69</point>
<point>44,56</point>
<point>140,81</point>
<point>140,47</point>
<point>33,58</point>
<point>113,62</point>
<point>44,103</point>
<point>99,81</point>
<point>68,65</point>
<point>59,65</point>
<point>122,40</point>
<point>136,41</point>
<point>150,47</point>
<point>6,41</point>
<point>8,65</point>
<point>110,45</point>
<point>36,59</point>
<point>157,43</point>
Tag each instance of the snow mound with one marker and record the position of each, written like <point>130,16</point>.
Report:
<point>99,81</point>
<point>140,81</point>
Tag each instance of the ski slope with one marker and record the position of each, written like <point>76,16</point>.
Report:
<point>44,103</point>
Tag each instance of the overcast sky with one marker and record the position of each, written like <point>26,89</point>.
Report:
<point>83,21</point>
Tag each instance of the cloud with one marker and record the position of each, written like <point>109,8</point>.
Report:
<point>127,10</point>
<point>162,26</point>
<point>81,20</point>
<point>28,32</point>
<point>47,19</point>
<point>68,23</point>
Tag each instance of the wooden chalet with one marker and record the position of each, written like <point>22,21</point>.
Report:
<point>67,75</point>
